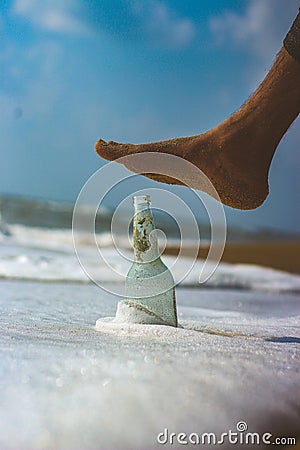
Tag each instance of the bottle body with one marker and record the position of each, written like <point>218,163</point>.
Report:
<point>150,290</point>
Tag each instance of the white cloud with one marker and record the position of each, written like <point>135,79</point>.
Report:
<point>163,25</point>
<point>259,30</point>
<point>159,23</point>
<point>51,15</point>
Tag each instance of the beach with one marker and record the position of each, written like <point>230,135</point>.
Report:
<point>149,227</point>
<point>278,254</point>
<point>67,385</point>
<point>231,367</point>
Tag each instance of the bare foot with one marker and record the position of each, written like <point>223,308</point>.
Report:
<point>235,155</point>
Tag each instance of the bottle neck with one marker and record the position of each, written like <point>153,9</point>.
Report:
<point>144,232</point>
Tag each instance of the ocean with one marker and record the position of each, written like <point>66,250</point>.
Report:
<point>66,385</point>
<point>37,244</point>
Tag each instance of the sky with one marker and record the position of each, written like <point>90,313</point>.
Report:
<point>72,71</point>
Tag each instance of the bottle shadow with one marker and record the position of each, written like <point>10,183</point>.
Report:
<point>284,339</point>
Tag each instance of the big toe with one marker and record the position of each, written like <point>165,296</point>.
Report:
<point>111,150</point>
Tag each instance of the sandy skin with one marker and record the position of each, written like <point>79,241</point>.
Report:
<point>236,155</point>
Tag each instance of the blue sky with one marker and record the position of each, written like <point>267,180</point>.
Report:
<point>132,71</point>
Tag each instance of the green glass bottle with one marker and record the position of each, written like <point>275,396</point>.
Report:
<point>150,290</point>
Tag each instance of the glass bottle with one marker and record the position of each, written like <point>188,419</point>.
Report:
<point>150,290</point>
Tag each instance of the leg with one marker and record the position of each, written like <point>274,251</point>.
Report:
<point>236,155</point>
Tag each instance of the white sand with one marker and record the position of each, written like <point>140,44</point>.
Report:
<point>66,385</point>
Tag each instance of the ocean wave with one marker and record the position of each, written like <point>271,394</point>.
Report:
<point>49,255</point>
